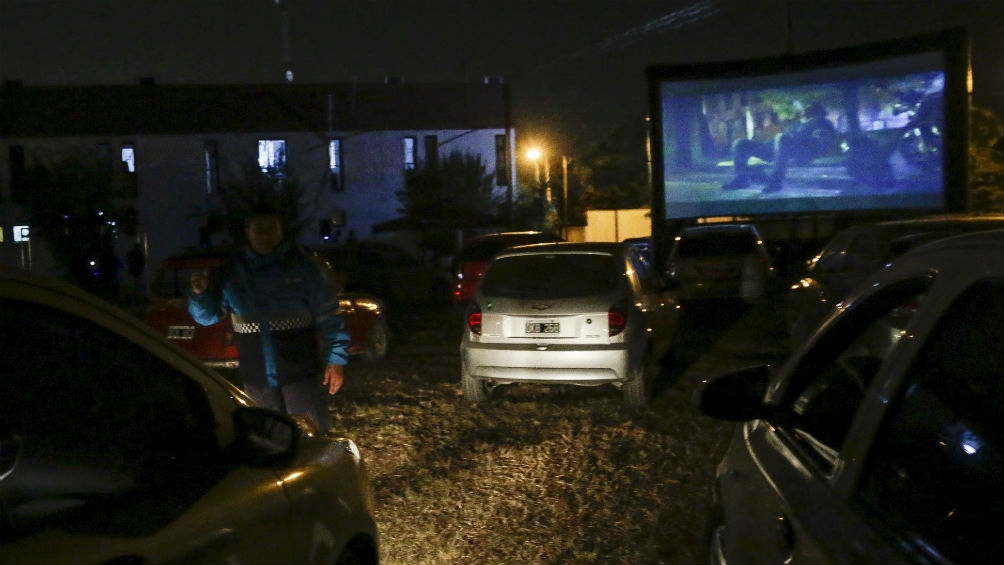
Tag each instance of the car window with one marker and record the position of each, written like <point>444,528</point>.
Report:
<point>935,468</point>
<point>553,275</point>
<point>830,381</point>
<point>95,412</point>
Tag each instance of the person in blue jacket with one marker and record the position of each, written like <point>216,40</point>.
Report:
<point>288,328</point>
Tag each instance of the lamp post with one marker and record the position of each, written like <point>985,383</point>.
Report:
<point>564,197</point>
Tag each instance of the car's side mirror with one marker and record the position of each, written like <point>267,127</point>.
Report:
<point>735,396</point>
<point>263,436</point>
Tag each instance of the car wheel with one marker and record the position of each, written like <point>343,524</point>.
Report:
<point>714,536</point>
<point>475,390</point>
<point>635,391</point>
<point>379,341</point>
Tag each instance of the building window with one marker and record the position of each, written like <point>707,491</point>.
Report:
<point>127,154</point>
<point>501,161</point>
<point>335,164</point>
<point>272,156</point>
<point>409,153</point>
<point>15,154</point>
<point>432,151</point>
<point>210,160</point>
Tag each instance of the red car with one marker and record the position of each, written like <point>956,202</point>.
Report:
<point>479,251</point>
<point>365,315</point>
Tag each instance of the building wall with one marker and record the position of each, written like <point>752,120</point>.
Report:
<point>173,202</point>
<point>617,225</point>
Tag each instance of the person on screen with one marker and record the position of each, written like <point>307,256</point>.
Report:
<point>811,137</point>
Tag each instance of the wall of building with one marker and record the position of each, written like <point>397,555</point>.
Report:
<point>173,202</point>
<point>617,225</point>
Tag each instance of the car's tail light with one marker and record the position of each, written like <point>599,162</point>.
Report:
<point>616,319</point>
<point>474,320</point>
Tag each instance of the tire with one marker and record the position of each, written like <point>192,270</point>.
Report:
<point>474,388</point>
<point>379,341</point>
<point>635,391</point>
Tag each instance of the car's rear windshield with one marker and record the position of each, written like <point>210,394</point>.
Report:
<point>484,250</point>
<point>553,275</point>
<point>720,243</point>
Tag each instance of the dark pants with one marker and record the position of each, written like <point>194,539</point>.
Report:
<point>744,149</point>
<point>306,398</point>
<point>784,150</point>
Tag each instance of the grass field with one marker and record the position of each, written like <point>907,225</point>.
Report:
<point>539,475</point>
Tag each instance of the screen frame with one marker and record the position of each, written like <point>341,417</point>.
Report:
<point>951,45</point>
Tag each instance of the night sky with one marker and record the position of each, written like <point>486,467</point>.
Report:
<point>576,68</point>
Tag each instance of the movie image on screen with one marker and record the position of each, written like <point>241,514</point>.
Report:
<point>842,136</point>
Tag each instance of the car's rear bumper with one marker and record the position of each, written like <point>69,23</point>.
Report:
<point>540,363</point>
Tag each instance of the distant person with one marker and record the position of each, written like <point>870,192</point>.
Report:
<point>288,327</point>
<point>813,136</point>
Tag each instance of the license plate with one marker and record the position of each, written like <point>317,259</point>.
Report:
<point>543,327</point>
<point>181,332</point>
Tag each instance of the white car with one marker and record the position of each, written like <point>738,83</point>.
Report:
<point>117,446</point>
<point>882,439</point>
<point>568,313</point>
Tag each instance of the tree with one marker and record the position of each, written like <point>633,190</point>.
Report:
<point>614,173</point>
<point>986,162</point>
<point>455,193</point>
<point>281,190</point>
<point>76,202</point>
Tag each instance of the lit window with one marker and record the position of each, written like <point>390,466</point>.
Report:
<point>129,157</point>
<point>409,153</point>
<point>22,233</point>
<point>272,155</point>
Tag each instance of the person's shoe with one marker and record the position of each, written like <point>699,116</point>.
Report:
<point>772,186</point>
<point>736,183</point>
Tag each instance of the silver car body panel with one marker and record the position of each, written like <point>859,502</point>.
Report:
<point>778,505</point>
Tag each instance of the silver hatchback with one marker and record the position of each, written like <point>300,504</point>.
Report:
<point>568,313</point>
